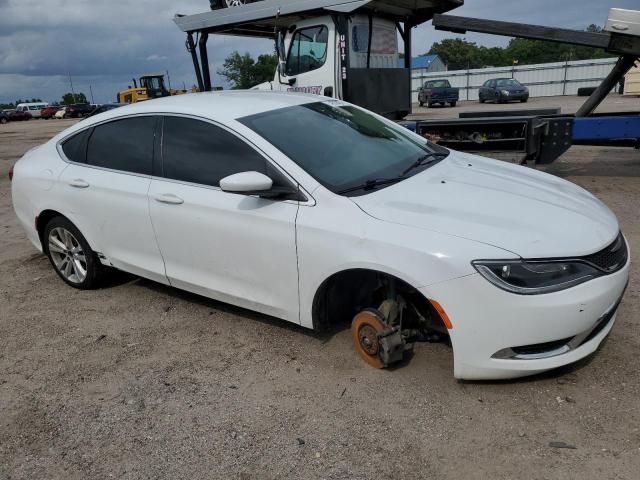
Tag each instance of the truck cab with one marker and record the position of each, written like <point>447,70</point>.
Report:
<point>342,49</point>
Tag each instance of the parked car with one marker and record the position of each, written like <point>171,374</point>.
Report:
<point>438,92</point>
<point>62,113</point>
<point>317,212</point>
<point>78,110</point>
<point>48,112</point>
<point>502,90</point>
<point>105,108</point>
<point>4,117</point>
<point>18,115</point>
<point>33,109</point>
<point>215,4</point>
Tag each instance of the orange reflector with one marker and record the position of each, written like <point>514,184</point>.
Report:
<point>443,315</point>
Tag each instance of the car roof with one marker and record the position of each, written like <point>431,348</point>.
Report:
<point>221,106</point>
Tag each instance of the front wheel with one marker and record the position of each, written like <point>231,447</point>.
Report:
<point>3,120</point>
<point>524,100</point>
<point>70,254</point>
<point>453,104</point>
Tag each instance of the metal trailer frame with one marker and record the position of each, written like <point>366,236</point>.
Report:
<point>264,19</point>
<point>549,136</point>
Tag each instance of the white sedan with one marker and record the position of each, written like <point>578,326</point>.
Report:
<point>319,212</point>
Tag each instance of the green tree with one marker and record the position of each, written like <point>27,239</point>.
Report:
<point>245,72</point>
<point>457,53</point>
<point>460,54</point>
<point>70,98</point>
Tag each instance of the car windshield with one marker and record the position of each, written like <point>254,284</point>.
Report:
<point>344,147</point>
<point>508,83</point>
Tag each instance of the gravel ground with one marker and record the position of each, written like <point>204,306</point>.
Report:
<point>138,380</point>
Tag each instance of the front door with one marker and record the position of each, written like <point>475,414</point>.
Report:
<point>235,248</point>
<point>310,65</point>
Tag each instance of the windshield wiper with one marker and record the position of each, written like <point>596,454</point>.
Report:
<point>427,159</point>
<point>371,184</point>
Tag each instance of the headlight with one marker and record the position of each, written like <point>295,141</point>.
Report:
<point>533,278</point>
<point>505,92</point>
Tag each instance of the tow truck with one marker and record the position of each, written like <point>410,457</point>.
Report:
<point>348,49</point>
<point>345,49</point>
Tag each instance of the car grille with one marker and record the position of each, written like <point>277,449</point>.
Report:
<point>610,259</point>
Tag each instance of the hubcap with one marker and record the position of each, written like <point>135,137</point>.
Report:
<point>234,3</point>
<point>67,255</point>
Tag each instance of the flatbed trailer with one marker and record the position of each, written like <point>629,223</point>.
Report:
<point>543,136</point>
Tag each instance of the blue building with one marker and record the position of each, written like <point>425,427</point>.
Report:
<point>427,64</point>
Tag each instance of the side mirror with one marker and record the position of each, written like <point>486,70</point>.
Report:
<point>248,183</point>
<point>256,183</point>
<point>292,81</point>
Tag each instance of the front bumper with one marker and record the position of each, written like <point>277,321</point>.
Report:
<point>489,324</point>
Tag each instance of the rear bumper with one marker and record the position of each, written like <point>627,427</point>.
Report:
<point>490,324</point>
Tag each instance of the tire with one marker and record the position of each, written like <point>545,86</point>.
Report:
<point>482,100</point>
<point>453,104</point>
<point>429,105</point>
<point>71,255</point>
<point>421,103</point>
<point>524,100</point>
<point>3,120</point>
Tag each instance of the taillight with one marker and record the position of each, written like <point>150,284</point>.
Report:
<point>11,173</point>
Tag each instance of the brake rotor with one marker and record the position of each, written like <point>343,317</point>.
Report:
<point>364,332</point>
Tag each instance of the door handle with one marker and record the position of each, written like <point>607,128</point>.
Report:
<point>169,198</point>
<point>78,183</point>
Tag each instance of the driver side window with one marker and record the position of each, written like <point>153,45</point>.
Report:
<point>308,50</point>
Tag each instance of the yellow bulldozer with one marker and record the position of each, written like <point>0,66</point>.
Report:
<point>151,86</point>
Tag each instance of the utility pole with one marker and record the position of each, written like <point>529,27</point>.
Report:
<point>73,93</point>
<point>169,80</point>
<point>91,91</point>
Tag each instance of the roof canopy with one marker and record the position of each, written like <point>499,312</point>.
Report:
<point>258,19</point>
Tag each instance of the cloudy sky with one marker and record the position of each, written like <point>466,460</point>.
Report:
<point>103,43</point>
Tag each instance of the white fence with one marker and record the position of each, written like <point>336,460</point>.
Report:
<point>543,80</point>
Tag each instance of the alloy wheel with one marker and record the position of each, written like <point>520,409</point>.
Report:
<point>234,3</point>
<point>67,254</point>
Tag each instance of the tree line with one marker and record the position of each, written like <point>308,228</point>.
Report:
<point>460,54</point>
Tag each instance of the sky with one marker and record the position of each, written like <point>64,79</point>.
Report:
<point>102,44</point>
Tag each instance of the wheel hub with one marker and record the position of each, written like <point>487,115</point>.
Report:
<point>369,340</point>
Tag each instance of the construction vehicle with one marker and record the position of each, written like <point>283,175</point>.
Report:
<point>151,86</point>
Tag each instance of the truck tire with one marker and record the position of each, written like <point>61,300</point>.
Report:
<point>421,103</point>
<point>453,104</point>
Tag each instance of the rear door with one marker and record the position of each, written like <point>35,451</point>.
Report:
<point>105,188</point>
<point>236,248</point>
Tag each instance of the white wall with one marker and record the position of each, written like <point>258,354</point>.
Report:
<point>543,80</point>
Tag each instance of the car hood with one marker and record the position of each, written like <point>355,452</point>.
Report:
<point>530,213</point>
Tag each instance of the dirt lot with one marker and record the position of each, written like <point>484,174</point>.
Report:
<point>138,380</point>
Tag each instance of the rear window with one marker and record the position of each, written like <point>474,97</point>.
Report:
<point>383,39</point>
<point>75,148</point>
<point>438,84</point>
